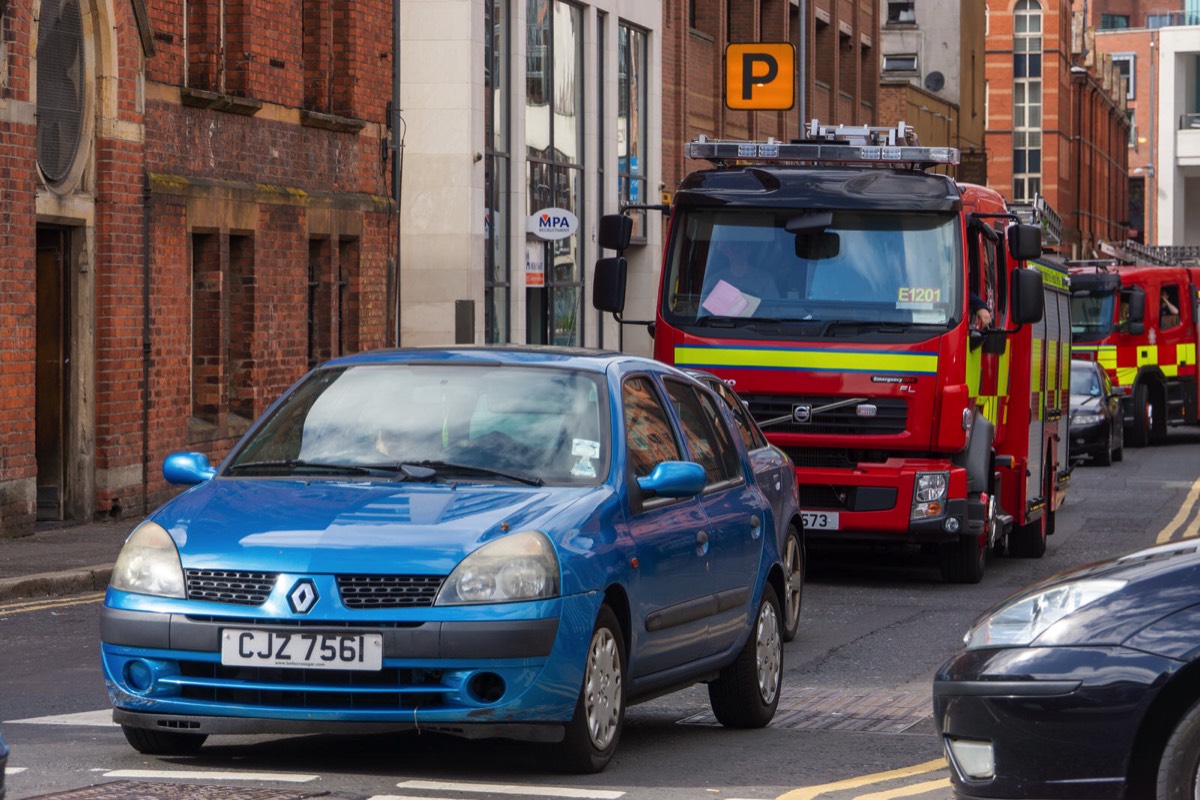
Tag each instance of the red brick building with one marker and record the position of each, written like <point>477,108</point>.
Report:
<point>194,209</point>
<point>1056,127</point>
<point>841,79</point>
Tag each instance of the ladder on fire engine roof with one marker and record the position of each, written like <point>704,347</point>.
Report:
<point>830,144</point>
<point>1038,212</point>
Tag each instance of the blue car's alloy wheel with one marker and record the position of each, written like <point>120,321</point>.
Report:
<point>793,564</point>
<point>602,688</point>
<point>746,693</point>
<point>592,735</point>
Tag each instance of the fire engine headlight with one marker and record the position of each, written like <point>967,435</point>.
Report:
<point>931,486</point>
<point>929,495</point>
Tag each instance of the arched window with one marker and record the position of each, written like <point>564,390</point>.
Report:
<point>60,84</point>
<point>1027,100</point>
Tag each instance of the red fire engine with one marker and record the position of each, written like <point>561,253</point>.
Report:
<point>1141,325</point>
<point>834,282</point>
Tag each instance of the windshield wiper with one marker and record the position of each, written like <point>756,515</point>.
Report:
<point>450,466</point>
<point>295,464</point>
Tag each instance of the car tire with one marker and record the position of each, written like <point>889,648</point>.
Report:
<point>1143,417</point>
<point>964,559</point>
<point>746,693</point>
<point>1104,457</point>
<point>1177,769</point>
<point>594,731</point>
<point>793,592</point>
<point>163,743</point>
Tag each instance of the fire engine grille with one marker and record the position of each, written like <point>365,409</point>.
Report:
<point>890,416</point>
<point>820,497</point>
<point>832,457</point>
<point>388,591</point>
<point>223,586</point>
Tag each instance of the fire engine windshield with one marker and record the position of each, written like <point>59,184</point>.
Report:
<point>729,266</point>
<point>1092,315</point>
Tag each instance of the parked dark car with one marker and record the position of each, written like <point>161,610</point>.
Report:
<point>488,542</point>
<point>776,476</point>
<point>1085,685</point>
<point>1097,428</point>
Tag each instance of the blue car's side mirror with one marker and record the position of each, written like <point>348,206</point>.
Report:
<point>674,479</point>
<point>187,469</point>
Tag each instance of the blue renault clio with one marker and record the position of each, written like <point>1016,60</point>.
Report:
<point>487,542</point>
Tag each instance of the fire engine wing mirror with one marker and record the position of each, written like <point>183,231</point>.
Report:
<point>616,230</point>
<point>1024,242</point>
<point>608,285</point>
<point>1027,301</point>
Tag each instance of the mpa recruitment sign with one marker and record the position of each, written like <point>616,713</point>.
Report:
<point>552,223</point>
<point>760,76</point>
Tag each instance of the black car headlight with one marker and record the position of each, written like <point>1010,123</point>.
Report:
<point>1020,621</point>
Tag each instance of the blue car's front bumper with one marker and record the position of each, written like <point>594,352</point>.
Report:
<point>471,671</point>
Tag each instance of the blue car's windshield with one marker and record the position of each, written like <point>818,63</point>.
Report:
<point>469,421</point>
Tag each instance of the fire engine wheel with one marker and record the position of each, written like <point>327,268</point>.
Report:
<point>963,560</point>
<point>1143,417</point>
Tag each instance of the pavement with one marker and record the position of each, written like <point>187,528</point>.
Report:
<point>61,559</point>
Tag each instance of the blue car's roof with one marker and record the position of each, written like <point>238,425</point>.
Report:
<point>525,355</point>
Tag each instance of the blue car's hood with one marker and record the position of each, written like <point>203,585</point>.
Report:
<point>358,527</point>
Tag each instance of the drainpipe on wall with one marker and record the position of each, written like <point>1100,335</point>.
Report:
<point>146,346</point>
<point>397,147</point>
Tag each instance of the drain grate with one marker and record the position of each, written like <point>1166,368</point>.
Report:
<point>842,710</point>
<point>141,790</point>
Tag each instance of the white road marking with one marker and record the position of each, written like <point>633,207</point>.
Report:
<point>214,775</point>
<point>102,719</point>
<point>14,770</point>
<point>507,788</point>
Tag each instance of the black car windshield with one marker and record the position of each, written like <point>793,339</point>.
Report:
<point>765,267</point>
<point>1085,380</point>
<point>464,422</point>
<point>1092,315</point>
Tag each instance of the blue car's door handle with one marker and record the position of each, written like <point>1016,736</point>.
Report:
<point>701,543</point>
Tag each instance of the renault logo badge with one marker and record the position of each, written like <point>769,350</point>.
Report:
<point>802,413</point>
<point>302,597</point>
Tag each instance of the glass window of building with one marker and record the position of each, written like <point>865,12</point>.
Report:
<point>554,168</point>
<point>631,124</point>
<point>496,93</point>
<point>1110,22</point>
<point>1124,64</point>
<point>1027,100</point>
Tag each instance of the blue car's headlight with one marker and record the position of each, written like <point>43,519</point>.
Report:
<point>1019,622</point>
<point>521,566</point>
<point>149,563</point>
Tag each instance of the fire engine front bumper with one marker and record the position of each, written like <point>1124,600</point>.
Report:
<point>879,503</point>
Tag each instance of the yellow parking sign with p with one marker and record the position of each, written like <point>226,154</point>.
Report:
<point>760,76</point>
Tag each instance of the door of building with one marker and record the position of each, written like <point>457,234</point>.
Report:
<point>52,339</point>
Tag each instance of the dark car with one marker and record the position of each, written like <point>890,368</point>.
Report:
<point>776,475</point>
<point>3,763</point>
<point>488,542</point>
<point>1097,428</point>
<point>1085,685</point>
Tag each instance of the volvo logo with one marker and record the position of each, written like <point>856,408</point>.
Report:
<point>802,413</point>
<point>302,597</point>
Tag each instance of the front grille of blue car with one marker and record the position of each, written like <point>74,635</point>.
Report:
<point>225,586</point>
<point>388,591</point>
<point>390,688</point>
